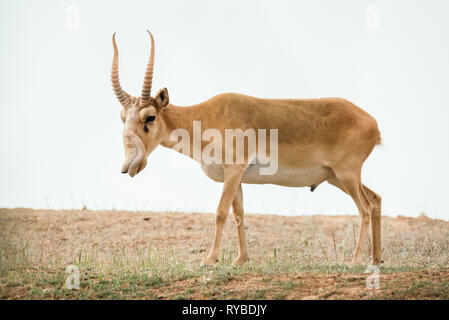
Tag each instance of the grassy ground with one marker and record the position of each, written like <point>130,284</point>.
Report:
<point>156,255</point>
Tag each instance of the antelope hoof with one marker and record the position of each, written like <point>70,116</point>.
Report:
<point>377,262</point>
<point>240,260</point>
<point>209,261</point>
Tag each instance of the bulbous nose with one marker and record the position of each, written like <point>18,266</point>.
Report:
<point>126,165</point>
<point>134,153</point>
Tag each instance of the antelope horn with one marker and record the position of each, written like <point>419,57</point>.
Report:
<point>122,96</point>
<point>146,89</point>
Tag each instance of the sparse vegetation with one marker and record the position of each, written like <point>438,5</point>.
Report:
<point>125,255</point>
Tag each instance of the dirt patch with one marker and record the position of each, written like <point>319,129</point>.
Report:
<point>156,255</point>
<point>309,286</point>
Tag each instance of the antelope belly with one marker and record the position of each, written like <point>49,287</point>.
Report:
<point>285,176</point>
<point>288,176</point>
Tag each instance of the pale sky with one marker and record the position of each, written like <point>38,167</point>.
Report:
<point>60,128</point>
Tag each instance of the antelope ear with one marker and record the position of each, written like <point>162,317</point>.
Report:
<point>162,98</point>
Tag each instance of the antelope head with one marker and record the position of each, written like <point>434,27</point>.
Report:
<point>144,127</point>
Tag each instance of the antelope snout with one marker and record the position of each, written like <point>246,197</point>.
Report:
<point>125,166</point>
<point>133,167</point>
<point>134,153</point>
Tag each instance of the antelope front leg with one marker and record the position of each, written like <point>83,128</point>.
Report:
<point>232,177</point>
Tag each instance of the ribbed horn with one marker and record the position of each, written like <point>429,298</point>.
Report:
<point>148,80</point>
<point>122,96</point>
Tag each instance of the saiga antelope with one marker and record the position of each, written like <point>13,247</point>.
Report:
<point>318,140</point>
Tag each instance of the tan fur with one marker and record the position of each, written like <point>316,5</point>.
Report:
<point>319,140</point>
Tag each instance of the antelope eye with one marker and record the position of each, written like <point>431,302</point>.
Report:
<point>150,119</point>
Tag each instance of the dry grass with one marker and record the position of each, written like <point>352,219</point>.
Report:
<point>156,255</point>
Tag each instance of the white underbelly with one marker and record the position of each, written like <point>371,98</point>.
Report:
<point>284,176</point>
